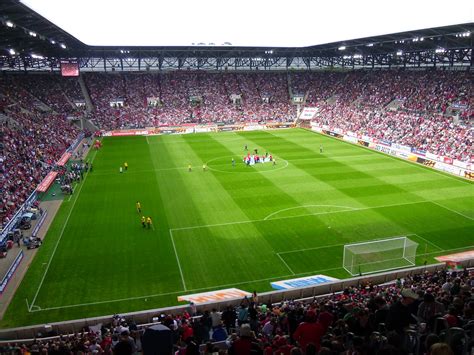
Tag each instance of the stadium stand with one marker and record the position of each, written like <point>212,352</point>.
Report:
<point>33,137</point>
<point>357,101</point>
<point>406,316</point>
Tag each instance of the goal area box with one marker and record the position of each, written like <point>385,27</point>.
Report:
<point>379,255</point>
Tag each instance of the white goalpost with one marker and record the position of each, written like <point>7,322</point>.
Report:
<point>379,255</point>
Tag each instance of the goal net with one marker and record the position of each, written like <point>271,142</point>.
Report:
<point>379,255</point>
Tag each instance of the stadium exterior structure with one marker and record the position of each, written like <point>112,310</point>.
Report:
<point>449,46</point>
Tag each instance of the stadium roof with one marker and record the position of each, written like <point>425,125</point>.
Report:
<point>26,32</point>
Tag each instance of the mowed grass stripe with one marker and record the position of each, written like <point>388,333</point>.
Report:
<point>266,182</point>
<point>213,259</point>
<point>381,190</point>
<point>229,255</point>
<point>199,269</point>
<point>105,233</point>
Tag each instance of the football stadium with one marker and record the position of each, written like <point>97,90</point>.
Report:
<point>232,182</point>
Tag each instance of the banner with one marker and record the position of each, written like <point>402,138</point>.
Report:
<point>254,127</point>
<point>281,125</point>
<point>215,296</point>
<point>128,132</point>
<point>448,168</point>
<point>432,156</point>
<point>350,138</point>
<point>172,130</point>
<point>203,129</point>
<point>64,159</point>
<point>302,282</point>
<point>466,255</point>
<point>462,164</point>
<point>412,158</point>
<point>229,128</point>
<point>35,231</point>
<point>11,271</point>
<point>308,113</point>
<point>447,160</point>
<point>418,151</point>
<point>47,181</point>
<point>401,147</point>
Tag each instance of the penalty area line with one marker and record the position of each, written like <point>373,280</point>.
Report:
<point>354,209</point>
<point>428,242</point>
<point>449,209</point>
<point>284,262</point>
<point>177,259</point>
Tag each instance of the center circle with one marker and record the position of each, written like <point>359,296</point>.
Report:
<point>224,165</point>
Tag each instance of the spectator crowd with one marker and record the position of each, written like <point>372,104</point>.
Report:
<point>430,110</point>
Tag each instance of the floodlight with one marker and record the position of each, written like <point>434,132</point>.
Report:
<point>9,24</point>
<point>341,48</point>
<point>399,53</point>
<point>36,56</point>
<point>63,46</point>
<point>11,51</point>
<point>32,34</point>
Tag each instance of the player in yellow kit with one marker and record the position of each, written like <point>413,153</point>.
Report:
<point>139,207</point>
<point>149,222</point>
<point>143,221</point>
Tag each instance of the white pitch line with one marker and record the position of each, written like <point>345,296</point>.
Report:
<point>59,239</point>
<point>220,286</point>
<point>191,290</point>
<point>447,250</point>
<point>426,240</point>
<point>449,209</point>
<point>304,206</point>
<point>340,245</point>
<point>284,262</point>
<point>318,158</point>
<point>177,259</point>
<point>414,164</point>
<point>302,215</point>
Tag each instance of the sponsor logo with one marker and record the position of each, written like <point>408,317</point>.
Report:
<point>382,149</point>
<point>47,181</point>
<point>302,282</point>
<point>11,271</point>
<point>447,160</point>
<point>213,296</point>
<point>64,158</point>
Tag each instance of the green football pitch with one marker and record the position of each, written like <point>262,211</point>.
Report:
<point>229,226</point>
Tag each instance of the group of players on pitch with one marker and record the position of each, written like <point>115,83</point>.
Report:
<point>146,221</point>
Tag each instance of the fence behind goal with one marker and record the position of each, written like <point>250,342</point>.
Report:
<point>379,255</point>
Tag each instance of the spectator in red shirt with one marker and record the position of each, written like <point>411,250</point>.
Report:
<point>309,331</point>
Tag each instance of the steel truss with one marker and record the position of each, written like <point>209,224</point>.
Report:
<point>187,60</point>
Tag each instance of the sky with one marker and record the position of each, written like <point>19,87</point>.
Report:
<point>250,23</point>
